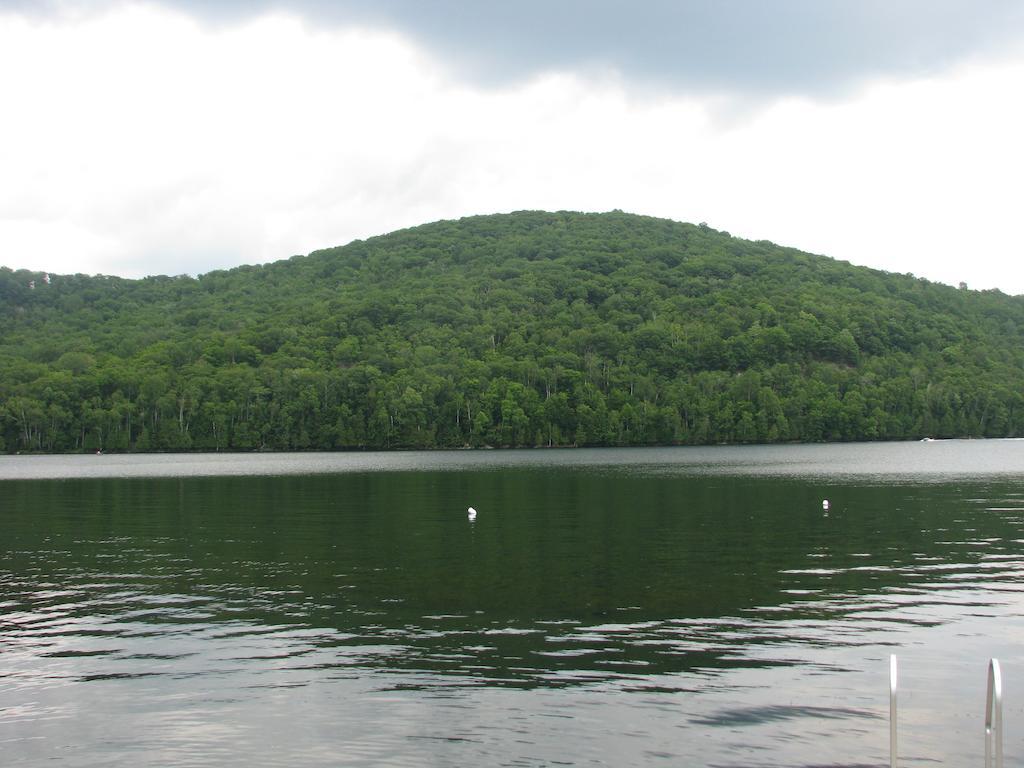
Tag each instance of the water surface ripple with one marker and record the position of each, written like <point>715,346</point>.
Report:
<point>620,610</point>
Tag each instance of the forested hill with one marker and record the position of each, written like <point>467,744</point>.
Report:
<point>510,330</point>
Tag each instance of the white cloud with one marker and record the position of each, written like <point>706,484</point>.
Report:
<point>139,141</point>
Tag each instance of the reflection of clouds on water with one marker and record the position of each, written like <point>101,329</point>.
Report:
<point>908,462</point>
<point>612,615</point>
<point>726,718</point>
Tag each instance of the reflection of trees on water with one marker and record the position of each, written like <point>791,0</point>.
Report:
<point>565,578</point>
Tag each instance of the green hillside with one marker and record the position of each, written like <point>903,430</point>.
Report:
<point>509,330</point>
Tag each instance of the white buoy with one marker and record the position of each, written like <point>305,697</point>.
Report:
<point>472,513</point>
<point>824,504</point>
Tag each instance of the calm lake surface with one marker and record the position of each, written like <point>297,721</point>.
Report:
<point>677,607</point>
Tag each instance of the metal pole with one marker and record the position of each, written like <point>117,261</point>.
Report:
<point>994,715</point>
<point>892,711</point>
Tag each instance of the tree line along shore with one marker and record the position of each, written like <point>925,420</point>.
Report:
<point>525,329</point>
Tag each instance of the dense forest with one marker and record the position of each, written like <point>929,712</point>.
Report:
<point>527,329</point>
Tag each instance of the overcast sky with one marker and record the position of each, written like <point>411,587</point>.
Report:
<point>184,136</point>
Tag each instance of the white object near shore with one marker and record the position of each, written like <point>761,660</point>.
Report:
<point>472,514</point>
<point>824,504</point>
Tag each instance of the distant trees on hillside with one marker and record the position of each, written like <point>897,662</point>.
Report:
<point>529,329</point>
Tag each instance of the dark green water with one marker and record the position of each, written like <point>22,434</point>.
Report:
<point>634,609</point>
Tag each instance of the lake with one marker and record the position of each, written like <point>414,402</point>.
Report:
<point>641,607</point>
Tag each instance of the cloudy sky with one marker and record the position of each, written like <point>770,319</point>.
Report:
<point>188,135</point>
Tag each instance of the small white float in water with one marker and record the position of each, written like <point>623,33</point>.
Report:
<point>824,504</point>
<point>472,513</point>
